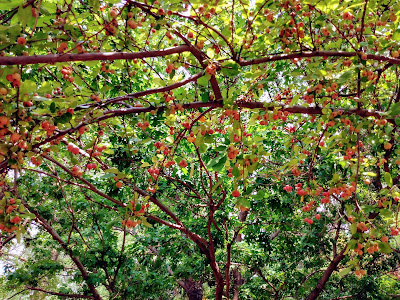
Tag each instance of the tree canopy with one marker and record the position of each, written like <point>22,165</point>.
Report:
<point>223,149</point>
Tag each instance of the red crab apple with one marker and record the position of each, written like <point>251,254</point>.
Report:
<point>21,40</point>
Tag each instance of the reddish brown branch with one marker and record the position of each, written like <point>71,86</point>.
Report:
<point>256,61</point>
<point>53,58</point>
<point>166,223</point>
<point>6,240</point>
<point>59,294</point>
<point>89,185</point>
<point>327,274</point>
<point>251,105</point>
<point>66,248</point>
<point>154,91</point>
<point>200,242</point>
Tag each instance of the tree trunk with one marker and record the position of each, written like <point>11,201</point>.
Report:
<point>219,290</point>
<point>237,282</point>
<point>325,277</point>
<point>193,289</point>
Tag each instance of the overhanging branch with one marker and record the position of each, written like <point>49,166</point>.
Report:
<point>261,60</point>
<point>54,58</point>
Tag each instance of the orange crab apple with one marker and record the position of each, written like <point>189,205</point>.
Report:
<point>118,184</point>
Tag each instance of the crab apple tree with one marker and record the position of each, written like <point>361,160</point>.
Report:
<point>203,149</point>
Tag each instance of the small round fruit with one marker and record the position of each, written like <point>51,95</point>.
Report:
<point>388,146</point>
<point>118,184</point>
<point>21,40</point>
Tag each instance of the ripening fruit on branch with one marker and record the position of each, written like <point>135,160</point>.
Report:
<point>16,220</point>
<point>387,146</point>
<point>76,171</point>
<point>96,98</point>
<point>183,163</point>
<point>308,221</point>
<point>91,166</point>
<point>118,184</point>
<point>21,40</point>
<point>4,121</point>
<point>287,188</point>
<point>132,24</point>
<point>348,16</point>
<point>113,13</point>
<point>235,193</point>
<point>63,46</point>
<point>359,273</point>
<point>325,31</point>
<point>15,137</point>
<point>211,69</point>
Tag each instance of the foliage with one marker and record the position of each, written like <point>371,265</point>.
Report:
<point>171,149</point>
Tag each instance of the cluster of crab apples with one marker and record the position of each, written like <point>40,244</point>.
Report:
<point>9,214</point>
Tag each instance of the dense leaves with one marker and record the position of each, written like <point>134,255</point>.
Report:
<point>169,149</point>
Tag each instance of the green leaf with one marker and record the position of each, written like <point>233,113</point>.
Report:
<point>144,165</point>
<point>218,163</point>
<point>218,184</point>
<point>205,97</point>
<point>396,35</point>
<point>95,4</point>
<point>388,179</point>
<point>394,109</point>
<point>345,77</point>
<point>52,107</point>
<point>353,228</point>
<point>344,272</point>
<point>244,202</point>
<point>236,172</point>
<point>18,236</point>
<point>203,81</point>
<point>9,4</point>
<point>145,223</point>
<point>230,68</point>
<point>384,247</point>
<point>27,86</point>
<point>199,140</point>
<point>372,174</point>
<point>65,118</point>
<point>295,99</point>
<point>112,170</point>
<point>24,15</point>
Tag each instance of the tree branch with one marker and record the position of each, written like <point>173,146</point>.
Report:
<point>256,61</point>
<point>66,248</point>
<point>53,58</point>
<point>327,274</point>
<point>59,294</point>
